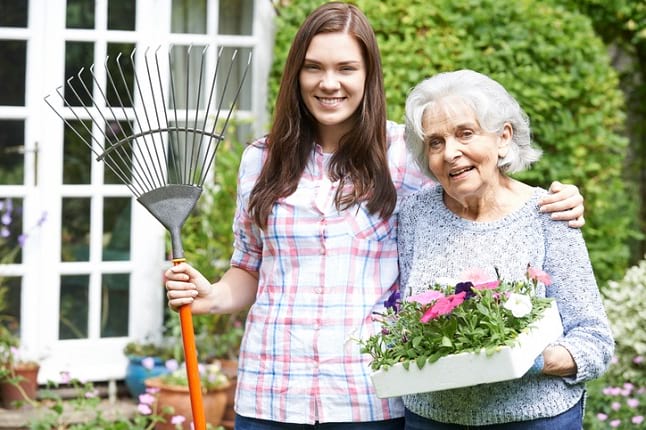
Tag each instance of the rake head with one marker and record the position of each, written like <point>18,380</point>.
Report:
<point>137,120</point>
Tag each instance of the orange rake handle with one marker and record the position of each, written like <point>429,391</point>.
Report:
<point>190,357</point>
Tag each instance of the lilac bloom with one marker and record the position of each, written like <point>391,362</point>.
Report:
<point>146,399</point>
<point>148,363</point>
<point>177,419</point>
<point>22,239</point>
<point>6,218</point>
<point>4,232</point>
<point>172,364</point>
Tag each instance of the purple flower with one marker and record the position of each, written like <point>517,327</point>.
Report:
<point>146,399</point>
<point>4,232</point>
<point>393,301</point>
<point>22,239</point>
<point>177,419</point>
<point>466,287</point>
<point>6,218</point>
<point>637,419</point>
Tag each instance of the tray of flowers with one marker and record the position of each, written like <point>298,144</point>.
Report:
<point>461,335</point>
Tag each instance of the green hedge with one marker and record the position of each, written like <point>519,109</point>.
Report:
<point>549,58</point>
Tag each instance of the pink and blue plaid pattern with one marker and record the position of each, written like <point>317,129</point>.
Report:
<point>322,273</point>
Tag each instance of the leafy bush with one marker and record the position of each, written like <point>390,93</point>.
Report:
<point>618,399</point>
<point>559,72</point>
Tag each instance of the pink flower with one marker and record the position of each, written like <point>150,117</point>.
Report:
<point>615,423</point>
<point>615,406</point>
<point>602,416</point>
<point>539,275</point>
<point>146,399</point>
<point>171,364</point>
<point>152,390</point>
<point>638,359</point>
<point>425,297</point>
<point>475,276</point>
<point>144,409</point>
<point>633,403</point>
<point>65,377</point>
<point>443,306</point>
<point>177,419</point>
<point>638,419</point>
<point>490,285</point>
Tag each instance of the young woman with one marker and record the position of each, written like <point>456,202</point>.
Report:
<point>315,249</point>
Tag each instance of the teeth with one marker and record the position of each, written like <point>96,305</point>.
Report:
<point>460,171</point>
<point>330,101</point>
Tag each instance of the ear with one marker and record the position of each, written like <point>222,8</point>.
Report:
<point>504,140</point>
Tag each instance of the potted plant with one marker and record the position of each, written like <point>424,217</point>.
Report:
<point>18,375</point>
<point>147,359</point>
<point>173,397</point>
<point>461,334</point>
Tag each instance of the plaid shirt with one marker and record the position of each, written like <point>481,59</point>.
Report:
<point>322,273</point>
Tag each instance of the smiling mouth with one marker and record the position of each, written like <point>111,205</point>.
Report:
<point>459,172</point>
<point>330,101</point>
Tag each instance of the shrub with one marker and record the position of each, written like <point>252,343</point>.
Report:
<point>618,399</point>
<point>559,72</point>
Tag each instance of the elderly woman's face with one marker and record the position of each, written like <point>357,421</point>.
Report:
<point>461,155</point>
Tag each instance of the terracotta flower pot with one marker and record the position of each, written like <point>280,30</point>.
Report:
<point>11,394</point>
<point>230,368</point>
<point>178,398</point>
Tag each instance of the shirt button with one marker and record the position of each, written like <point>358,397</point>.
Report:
<point>318,290</point>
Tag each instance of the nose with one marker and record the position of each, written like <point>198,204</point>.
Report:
<point>452,148</point>
<point>329,82</point>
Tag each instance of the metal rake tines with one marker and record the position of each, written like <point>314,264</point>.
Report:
<point>138,121</point>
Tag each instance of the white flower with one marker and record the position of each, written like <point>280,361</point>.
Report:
<point>519,304</point>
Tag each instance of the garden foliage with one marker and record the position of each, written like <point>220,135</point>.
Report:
<point>560,73</point>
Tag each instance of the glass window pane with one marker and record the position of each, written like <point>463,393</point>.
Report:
<point>235,17</point>
<point>121,14</point>
<point>75,230</point>
<point>116,228</point>
<point>115,304</point>
<point>118,163</point>
<point>188,16</point>
<point>73,312</point>
<point>77,157</point>
<point>13,13</point>
<point>121,80</point>
<point>12,157</point>
<point>79,55</point>
<point>13,76</point>
<point>229,92</point>
<point>11,231</point>
<point>186,70</point>
<point>10,287</point>
<point>80,14</point>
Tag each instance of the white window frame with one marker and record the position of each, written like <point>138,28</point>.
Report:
<point>96,358</point>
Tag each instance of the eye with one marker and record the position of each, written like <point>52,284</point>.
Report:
<point>435,143</point>
<point>310,66</point>
<point>465,134</point>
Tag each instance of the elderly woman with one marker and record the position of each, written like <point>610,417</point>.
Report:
<point>468,134</point>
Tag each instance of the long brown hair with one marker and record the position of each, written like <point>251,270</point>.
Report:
<point>361,157</point>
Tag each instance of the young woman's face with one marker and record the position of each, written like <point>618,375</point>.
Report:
<point>332,79</point>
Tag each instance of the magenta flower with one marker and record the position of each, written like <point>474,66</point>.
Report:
<point>443,306</point>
